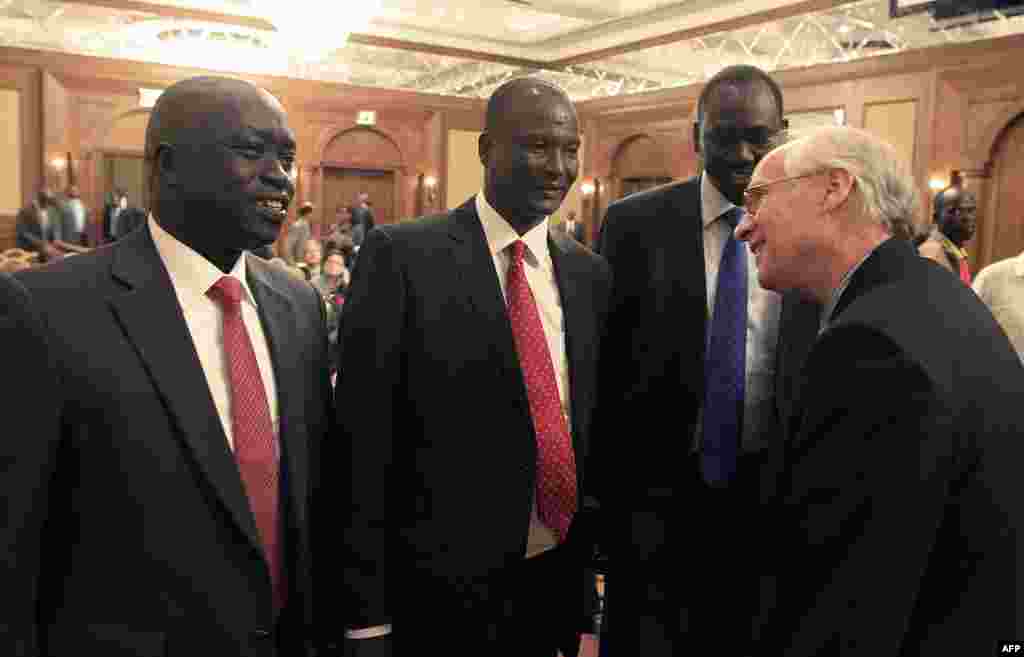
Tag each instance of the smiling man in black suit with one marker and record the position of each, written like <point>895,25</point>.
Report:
<point>165,509</point>
<point>468,383</point>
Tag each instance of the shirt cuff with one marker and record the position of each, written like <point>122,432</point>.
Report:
<point>368,632</point>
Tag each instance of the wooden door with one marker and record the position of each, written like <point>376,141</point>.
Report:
<point>341,186</point>
<point>125,172</point>
<point>1003,230</point>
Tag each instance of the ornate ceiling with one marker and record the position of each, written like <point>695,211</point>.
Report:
<point>591,48</point>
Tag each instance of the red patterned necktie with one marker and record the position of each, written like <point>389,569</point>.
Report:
<point>252,427</point>
<point>556,463</point>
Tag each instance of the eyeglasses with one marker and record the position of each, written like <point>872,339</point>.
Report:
<point>754,196</point>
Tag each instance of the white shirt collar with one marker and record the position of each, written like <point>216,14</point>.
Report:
<point>712,203</point>
<point>1020,265</point>
<point>190,272</point>
<point>500,234</point>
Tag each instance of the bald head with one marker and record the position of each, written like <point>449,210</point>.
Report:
<point>180,108</point>
<point>517,94</point>
<point>221,162</point>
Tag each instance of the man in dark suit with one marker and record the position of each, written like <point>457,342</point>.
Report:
<point>363,220</point>
<point>112,209</point>
<point>468,380</point>
<point>900,518</point>
<point>691,354</point>
<point>39,227</point>
<point>572,227</point>
<point>161,504</point>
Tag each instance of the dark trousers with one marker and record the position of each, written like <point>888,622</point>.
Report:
<point>688,572</point>
<point>533,609</point>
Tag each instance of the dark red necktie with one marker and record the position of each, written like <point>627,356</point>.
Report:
<point>252,427</point>
<point>556,463</point>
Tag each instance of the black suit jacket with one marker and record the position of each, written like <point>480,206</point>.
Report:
<point>660,517</point>
<point>436,424</point>
<point>129,531</point>
<point>901,509</point>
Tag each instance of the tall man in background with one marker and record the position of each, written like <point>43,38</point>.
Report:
<point>161,505</point>
<point>467,379</point>
<point>691,354</point>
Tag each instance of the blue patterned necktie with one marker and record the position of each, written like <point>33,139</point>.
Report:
<point>725,361</point>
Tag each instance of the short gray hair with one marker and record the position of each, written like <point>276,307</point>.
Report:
<point>884,186</point>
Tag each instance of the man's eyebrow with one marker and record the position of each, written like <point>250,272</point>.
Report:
<point>267,134</point>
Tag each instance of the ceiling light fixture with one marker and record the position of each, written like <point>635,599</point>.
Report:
<point>313,29</point>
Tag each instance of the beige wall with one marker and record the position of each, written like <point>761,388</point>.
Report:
<point>128,133</point>
<point>895,123</point>
<point>465,175</point>
<point>10,151</point>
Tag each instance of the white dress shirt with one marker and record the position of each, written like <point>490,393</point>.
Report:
<point>1001,287</point>
<point>763,311</point>
<point>540,275</point>
<point>77,210</point>
<point>192,275</point>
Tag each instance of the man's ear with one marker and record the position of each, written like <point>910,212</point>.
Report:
<point>165,165</point>
<point>483,147</point>
<point>838,188</point>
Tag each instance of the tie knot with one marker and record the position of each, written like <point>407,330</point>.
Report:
<point>517,249</point>
<point>733,216</point>
<point>227,291</point>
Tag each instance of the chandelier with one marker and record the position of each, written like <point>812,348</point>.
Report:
<point>311,30</point>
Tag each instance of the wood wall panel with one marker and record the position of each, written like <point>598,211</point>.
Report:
<point>26,80</point>
<point>10,151</point>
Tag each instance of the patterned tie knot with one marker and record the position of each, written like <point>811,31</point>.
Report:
<point>518,250</point>
<point>733,216</point>
<point>227,292</point>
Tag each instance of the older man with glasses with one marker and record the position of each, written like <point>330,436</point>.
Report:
<point>899,517</point>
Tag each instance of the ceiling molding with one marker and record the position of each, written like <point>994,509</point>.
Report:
<point>416,46</point>
<point>168,11</point>
<point>805,7</point>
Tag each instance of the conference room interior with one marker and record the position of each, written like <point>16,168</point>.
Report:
<point>948,94</point>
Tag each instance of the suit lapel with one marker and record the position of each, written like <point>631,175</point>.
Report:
<point>680,263</point>
<point>152,320</point>
<point>476,271</point>
<point>276,312</point>
<point>579,328</point>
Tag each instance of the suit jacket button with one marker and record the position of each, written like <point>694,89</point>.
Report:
<point>262,634</point>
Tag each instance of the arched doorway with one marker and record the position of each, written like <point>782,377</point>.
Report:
<point>639,164</point>
<point>362,160</point>
<point>1001,235</point>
